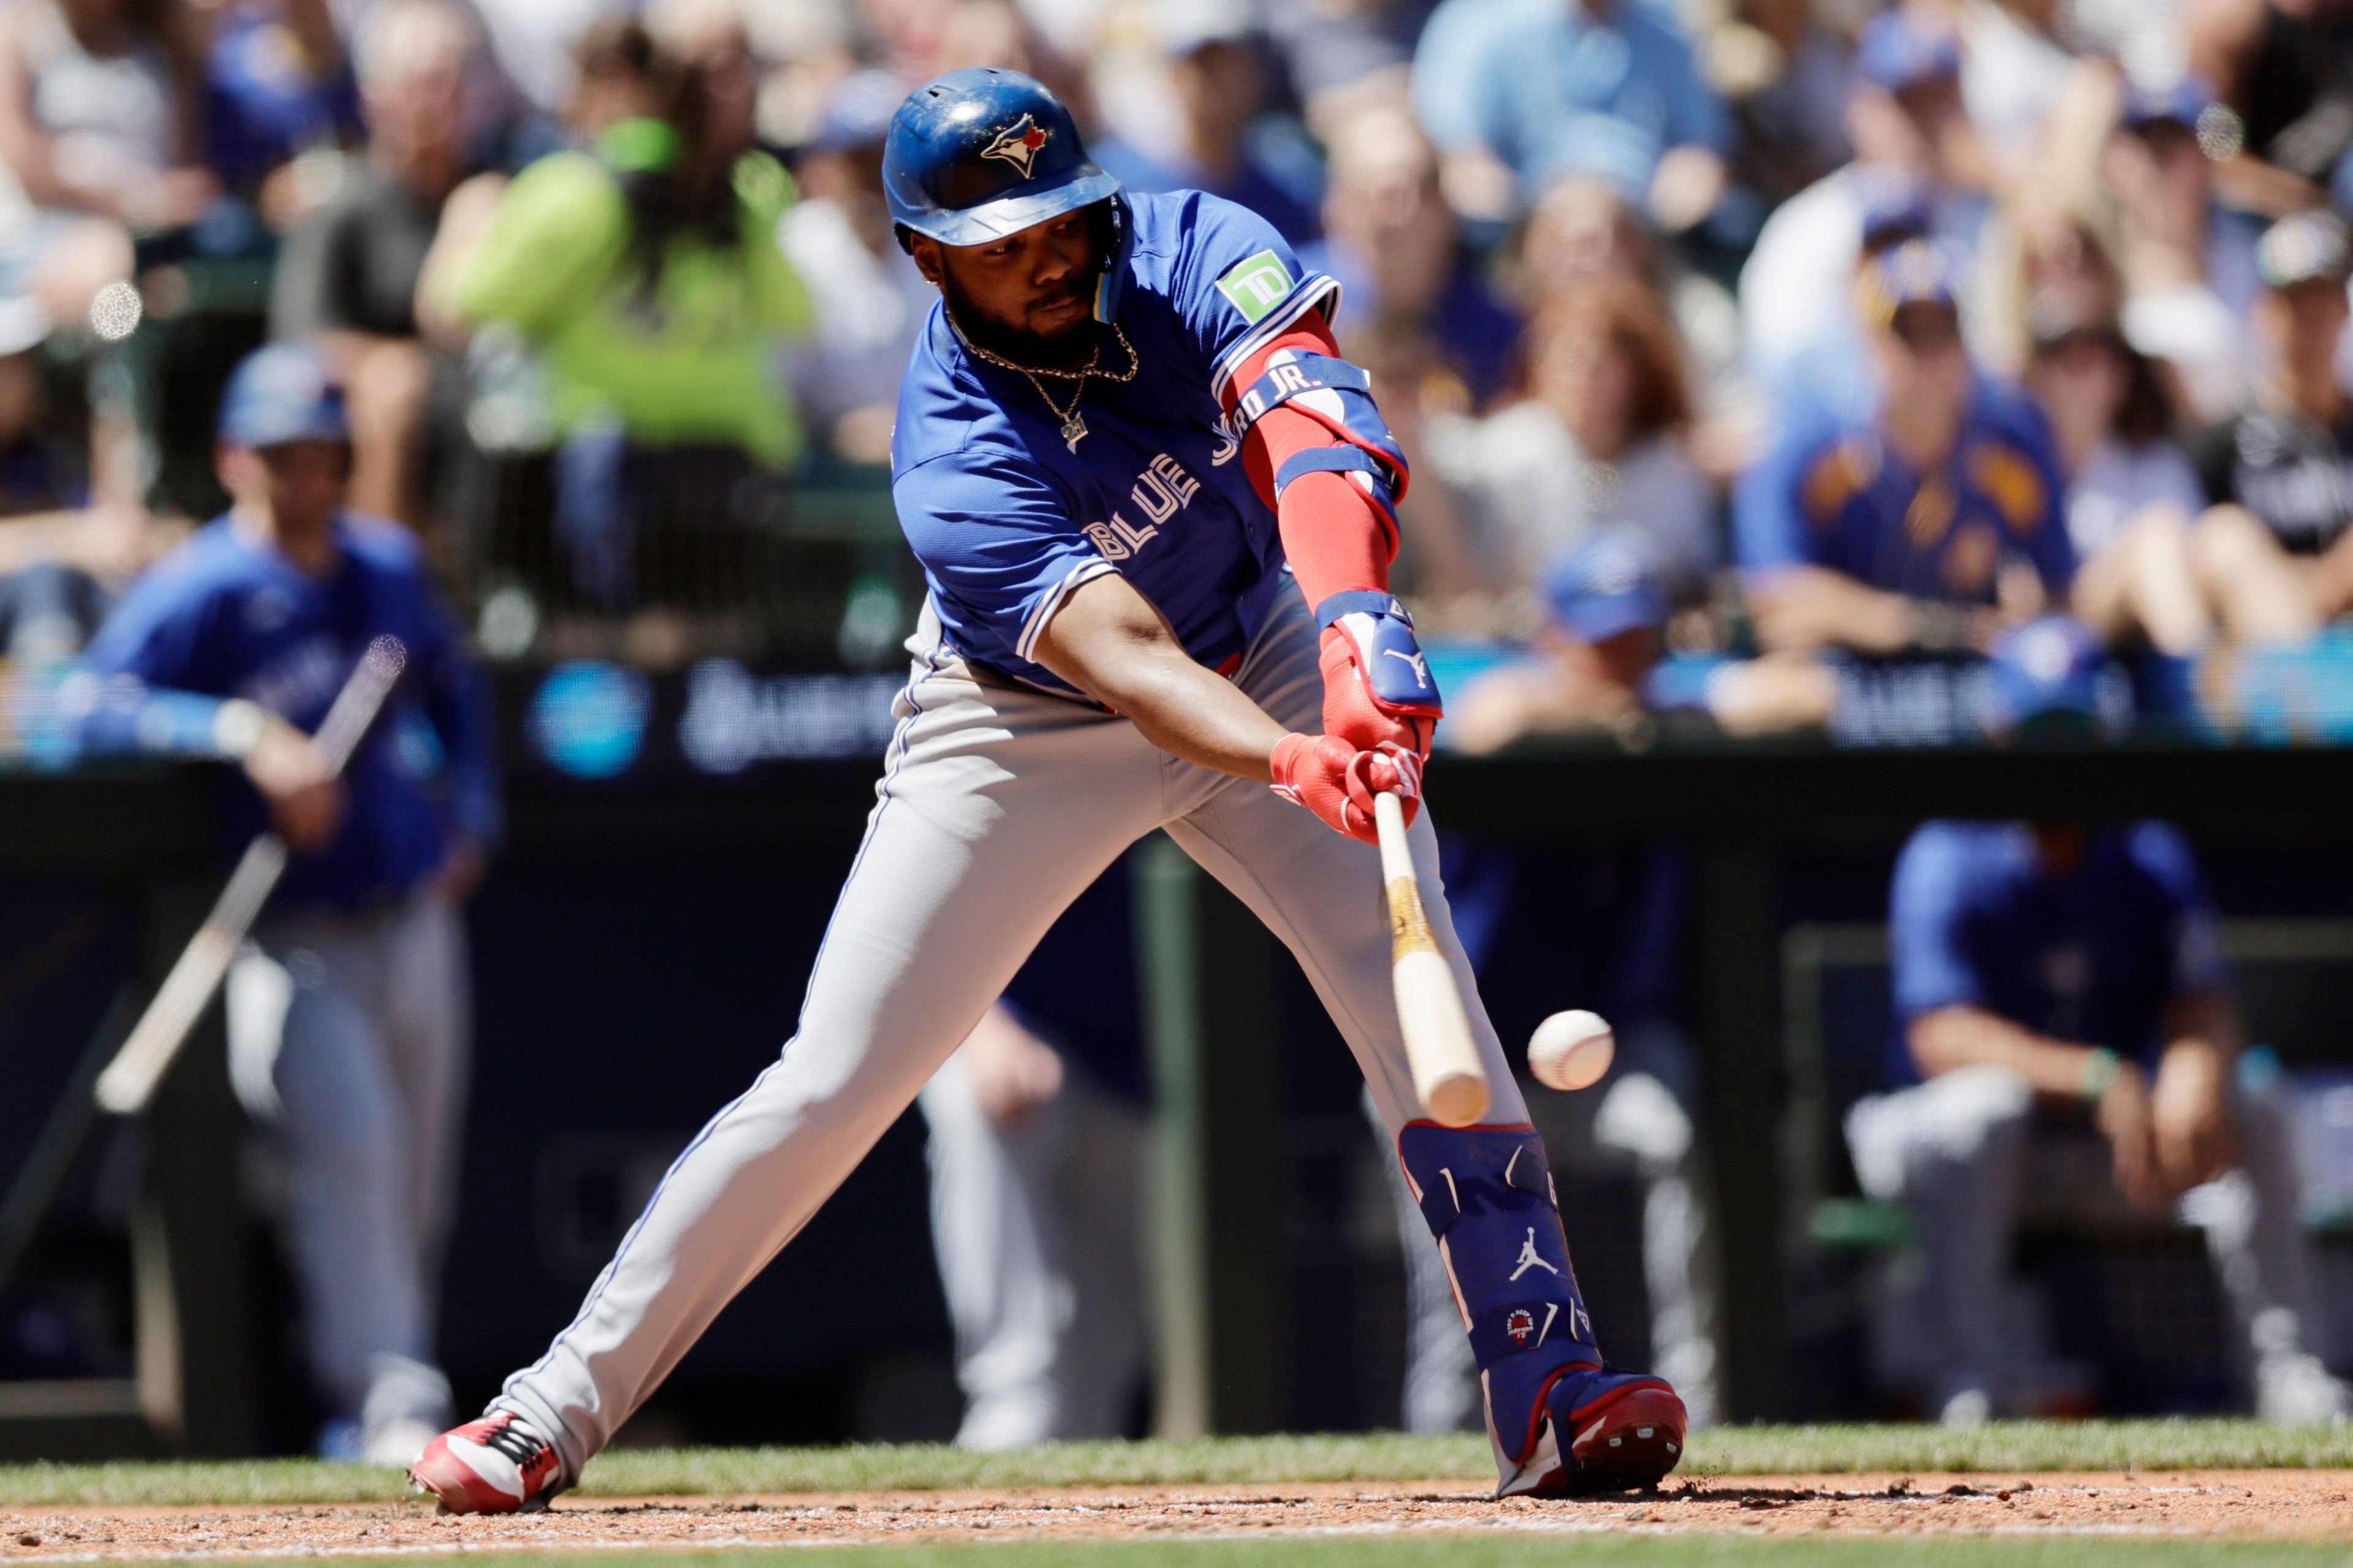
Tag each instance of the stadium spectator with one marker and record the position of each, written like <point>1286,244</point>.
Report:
<point>2131,492</point>
<point>349,1026</point>
<point>1909,129</point>
<point>1919,527</point>
<point>1598,440</point>
<point>1589,667</point>
<point>648,274</point>
<point>1582,230</point>
<point>1782,71</point>
<point>66,543</point>
<point>1035,1125</point>
<point>1517,93</point>
<point>1340,58</point>
<point>2274,552</point>
<point>2283,67</point>
<point>612,72</point>
<point>347,278</point>
<point>995,33</point>
<point>1830,371</point>
<point>537,47</point>
<point>1227,142</point>
<point>870,300</point>
<point>713,40</point>
<point>98,113</point>
<point>280,105</point>
<point>2188,261</point>
<point>2047,977</point>
<point>2015,71</point>
<point>1597,665</point>
<point>2046,250</point>
<point>1395,247</point>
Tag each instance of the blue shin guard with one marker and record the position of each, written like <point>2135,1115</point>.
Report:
<point>1554,1410</point>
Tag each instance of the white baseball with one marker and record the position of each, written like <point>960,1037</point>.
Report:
<point>1571,1049</point>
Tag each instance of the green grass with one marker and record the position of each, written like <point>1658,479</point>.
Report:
<point>1482,1551</point>
<point>2023,1447</point>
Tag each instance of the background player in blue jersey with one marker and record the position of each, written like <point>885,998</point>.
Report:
<point>1914,527</point>
<point>2058,975</point>
<point>1155,511</point>
<point>349,1015</point>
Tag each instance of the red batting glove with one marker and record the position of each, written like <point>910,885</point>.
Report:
<point>1352,713</point>
<point>1337,782</point>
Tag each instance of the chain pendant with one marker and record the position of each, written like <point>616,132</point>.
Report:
<point>1074,429</point>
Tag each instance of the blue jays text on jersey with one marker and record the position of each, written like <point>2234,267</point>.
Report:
<point>1832,494</point>
<point>1007,517</point>
<point>225,616</point>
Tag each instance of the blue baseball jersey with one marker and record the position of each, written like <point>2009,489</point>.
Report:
<point>1832,494</point>
<point>1977,919</point>
<point>222,618</point>
<point>1008,516</point>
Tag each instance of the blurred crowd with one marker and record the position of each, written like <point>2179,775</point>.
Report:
<point>1910,370</point>
<point>1744,348</point>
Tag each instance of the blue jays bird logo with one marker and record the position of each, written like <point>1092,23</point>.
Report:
<point>1018,145</point>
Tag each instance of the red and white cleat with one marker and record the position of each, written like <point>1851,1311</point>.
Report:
<point>496,1465</point>
<point>1630,1442</point>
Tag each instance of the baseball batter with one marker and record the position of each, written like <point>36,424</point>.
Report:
<point>1124,419</point>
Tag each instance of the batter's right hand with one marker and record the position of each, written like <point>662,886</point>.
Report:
<point>306,801</point>
<point>1338,783</point>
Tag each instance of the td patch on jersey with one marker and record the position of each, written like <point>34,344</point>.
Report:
<point>1256,285</point>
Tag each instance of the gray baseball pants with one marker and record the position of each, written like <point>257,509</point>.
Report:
<point>350,1036</point>
<point>1035,1228</point>
<point>996,808</point>
<point>1953,1151</point>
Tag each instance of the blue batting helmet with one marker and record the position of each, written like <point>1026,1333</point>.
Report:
<point>282,393</point>
<point>980,153</point>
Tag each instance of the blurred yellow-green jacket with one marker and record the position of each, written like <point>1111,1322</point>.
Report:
<point>694,362</point>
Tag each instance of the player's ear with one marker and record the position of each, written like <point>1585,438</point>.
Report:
<point>926,252</point>
<point>234,467</point>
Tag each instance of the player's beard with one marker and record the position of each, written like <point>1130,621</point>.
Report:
<point>1056,351</point>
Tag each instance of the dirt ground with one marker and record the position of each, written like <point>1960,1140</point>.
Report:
<point>2291,1504</point>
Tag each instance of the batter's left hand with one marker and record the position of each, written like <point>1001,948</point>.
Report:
<point>1378,689</point>
<point>1338,783</point>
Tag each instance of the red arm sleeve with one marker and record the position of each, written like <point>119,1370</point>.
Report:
<point>1334,536</point>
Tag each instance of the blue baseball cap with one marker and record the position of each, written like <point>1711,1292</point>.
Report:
<point>281,394</point>
<point>1607,583</point>
<point>2179,101</point>
<point>1895,207</point>
<point>1897,51</point>
<point>2046,673</point>
<point>1916,272</point>
<point>980,153</point>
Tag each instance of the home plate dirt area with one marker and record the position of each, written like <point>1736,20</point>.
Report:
<point>2275,1504</point>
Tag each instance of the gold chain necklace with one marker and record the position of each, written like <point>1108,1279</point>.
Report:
<point>1074,424</point>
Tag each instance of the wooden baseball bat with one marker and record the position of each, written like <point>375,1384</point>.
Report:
<point>131,1080</point>
<point>1446,1073</point>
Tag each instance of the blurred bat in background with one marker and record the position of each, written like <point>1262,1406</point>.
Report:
<point>131,1080</point>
